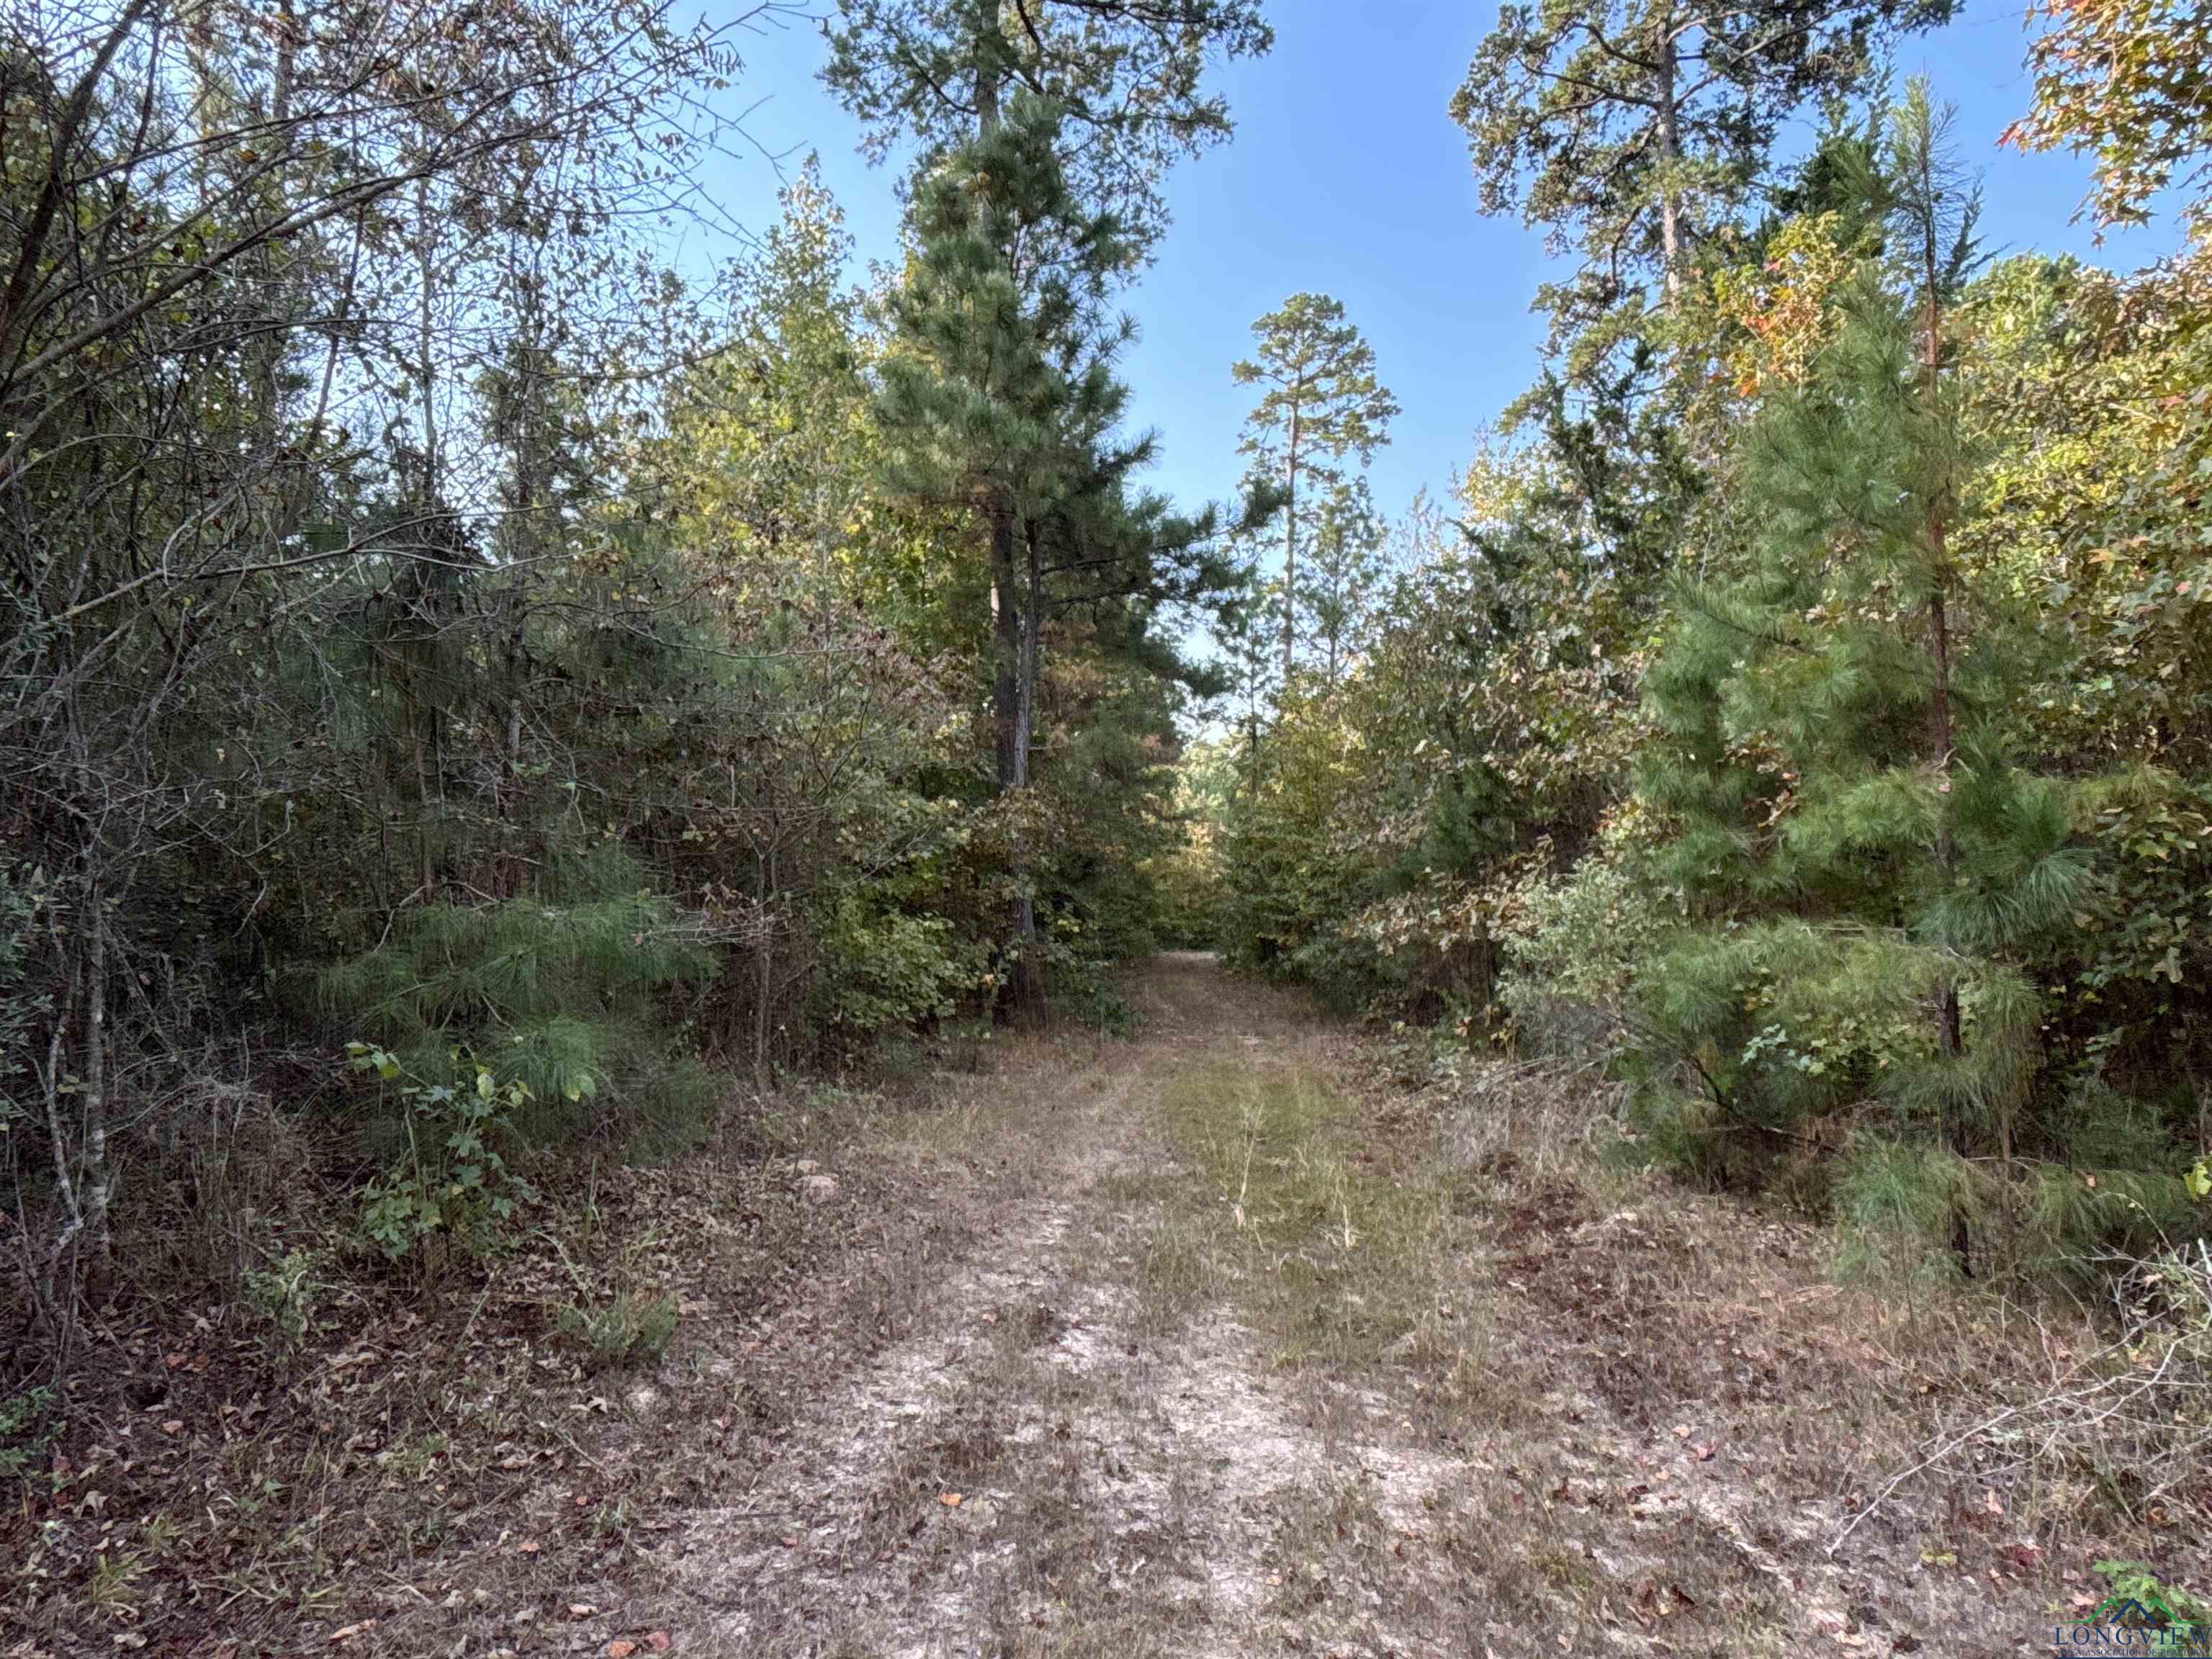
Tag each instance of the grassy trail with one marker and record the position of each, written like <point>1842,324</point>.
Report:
<point>1255,1356</point>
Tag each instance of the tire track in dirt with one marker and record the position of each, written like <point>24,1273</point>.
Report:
<point>1122,1486</point>
<point>789,1563</point>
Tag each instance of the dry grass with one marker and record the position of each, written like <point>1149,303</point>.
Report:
<point>1669,1406</point>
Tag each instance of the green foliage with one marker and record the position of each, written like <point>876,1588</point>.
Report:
<point>632,1330</point>
<point>285,1293</point>
<point>1130,77</point>
<point>29,1426</point>
<point>884,969</point>
<point>1573,944</point>
<point>1896,1202</point>
<point>1570,109</point>
<point>2184,1620</point>
<point>450,1193</point>
<point>565,991</point>
<point>1385,826</point>
<point>23,1004</point>
<point>2124,81</point>
<point>1805,704</point>
<point>1877,854</point>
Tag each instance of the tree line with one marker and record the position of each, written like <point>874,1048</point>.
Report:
<point>473,689</point>
<point>1800,705</point>
<point>475,692</point>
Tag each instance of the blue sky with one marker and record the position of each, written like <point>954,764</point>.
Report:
<point>1346,177</point>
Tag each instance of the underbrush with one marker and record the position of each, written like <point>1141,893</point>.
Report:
<point>291,1436</point>
<point>2009,1422</point>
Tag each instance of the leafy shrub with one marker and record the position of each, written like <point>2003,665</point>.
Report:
<point>452,1192</point>
<point>1571,944</point>
<point>2134,1581</point>
<point>27,1429</point>
<point>1087,991</point>
<point>884,968</point>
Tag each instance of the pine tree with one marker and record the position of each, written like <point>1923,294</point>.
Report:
<point>1345,569</point>
<point>1632,129</point>
<point>1045,138</point>
<point>1323,406</point>
<point>1128,76</point>
<point>1865,867</point>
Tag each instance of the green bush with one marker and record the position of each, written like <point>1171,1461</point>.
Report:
<point>285,1293</point>
<point>563,992</point>
<point>1572,945</point>
<point>29,1428</point>
<point>885,969</point>
<point>451,1191</point>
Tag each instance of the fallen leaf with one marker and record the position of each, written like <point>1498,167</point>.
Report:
<point>619,1648</point>
<point>350,1632</point>
<point>527,1547</point>
<point>1704,1452</point>
<point>952,1500</point>
<point>581,1609</point>
<point>658,1642</point>
<point>1989,1502</point>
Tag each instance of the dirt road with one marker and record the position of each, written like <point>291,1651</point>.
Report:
<point>1238,1362</point>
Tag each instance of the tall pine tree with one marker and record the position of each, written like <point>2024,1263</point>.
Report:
<point>1322,405</point>
<point>1865,866</point>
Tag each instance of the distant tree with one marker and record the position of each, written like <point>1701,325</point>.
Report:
<point>1632,129</point>
<point>1321,406</point>
<point>1345,568</point>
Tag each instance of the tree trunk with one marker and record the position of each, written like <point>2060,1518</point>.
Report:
<point>425,265</point>
<point>764,964</point>
<point>1941,738</point>
<point>1013,635</point>
<point>1671,241</point>
<point>1290,552</point>
<point>1006,639</point>
<point>96,1183</point>
<point>1032,629</point>
<point>1028,986</point>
